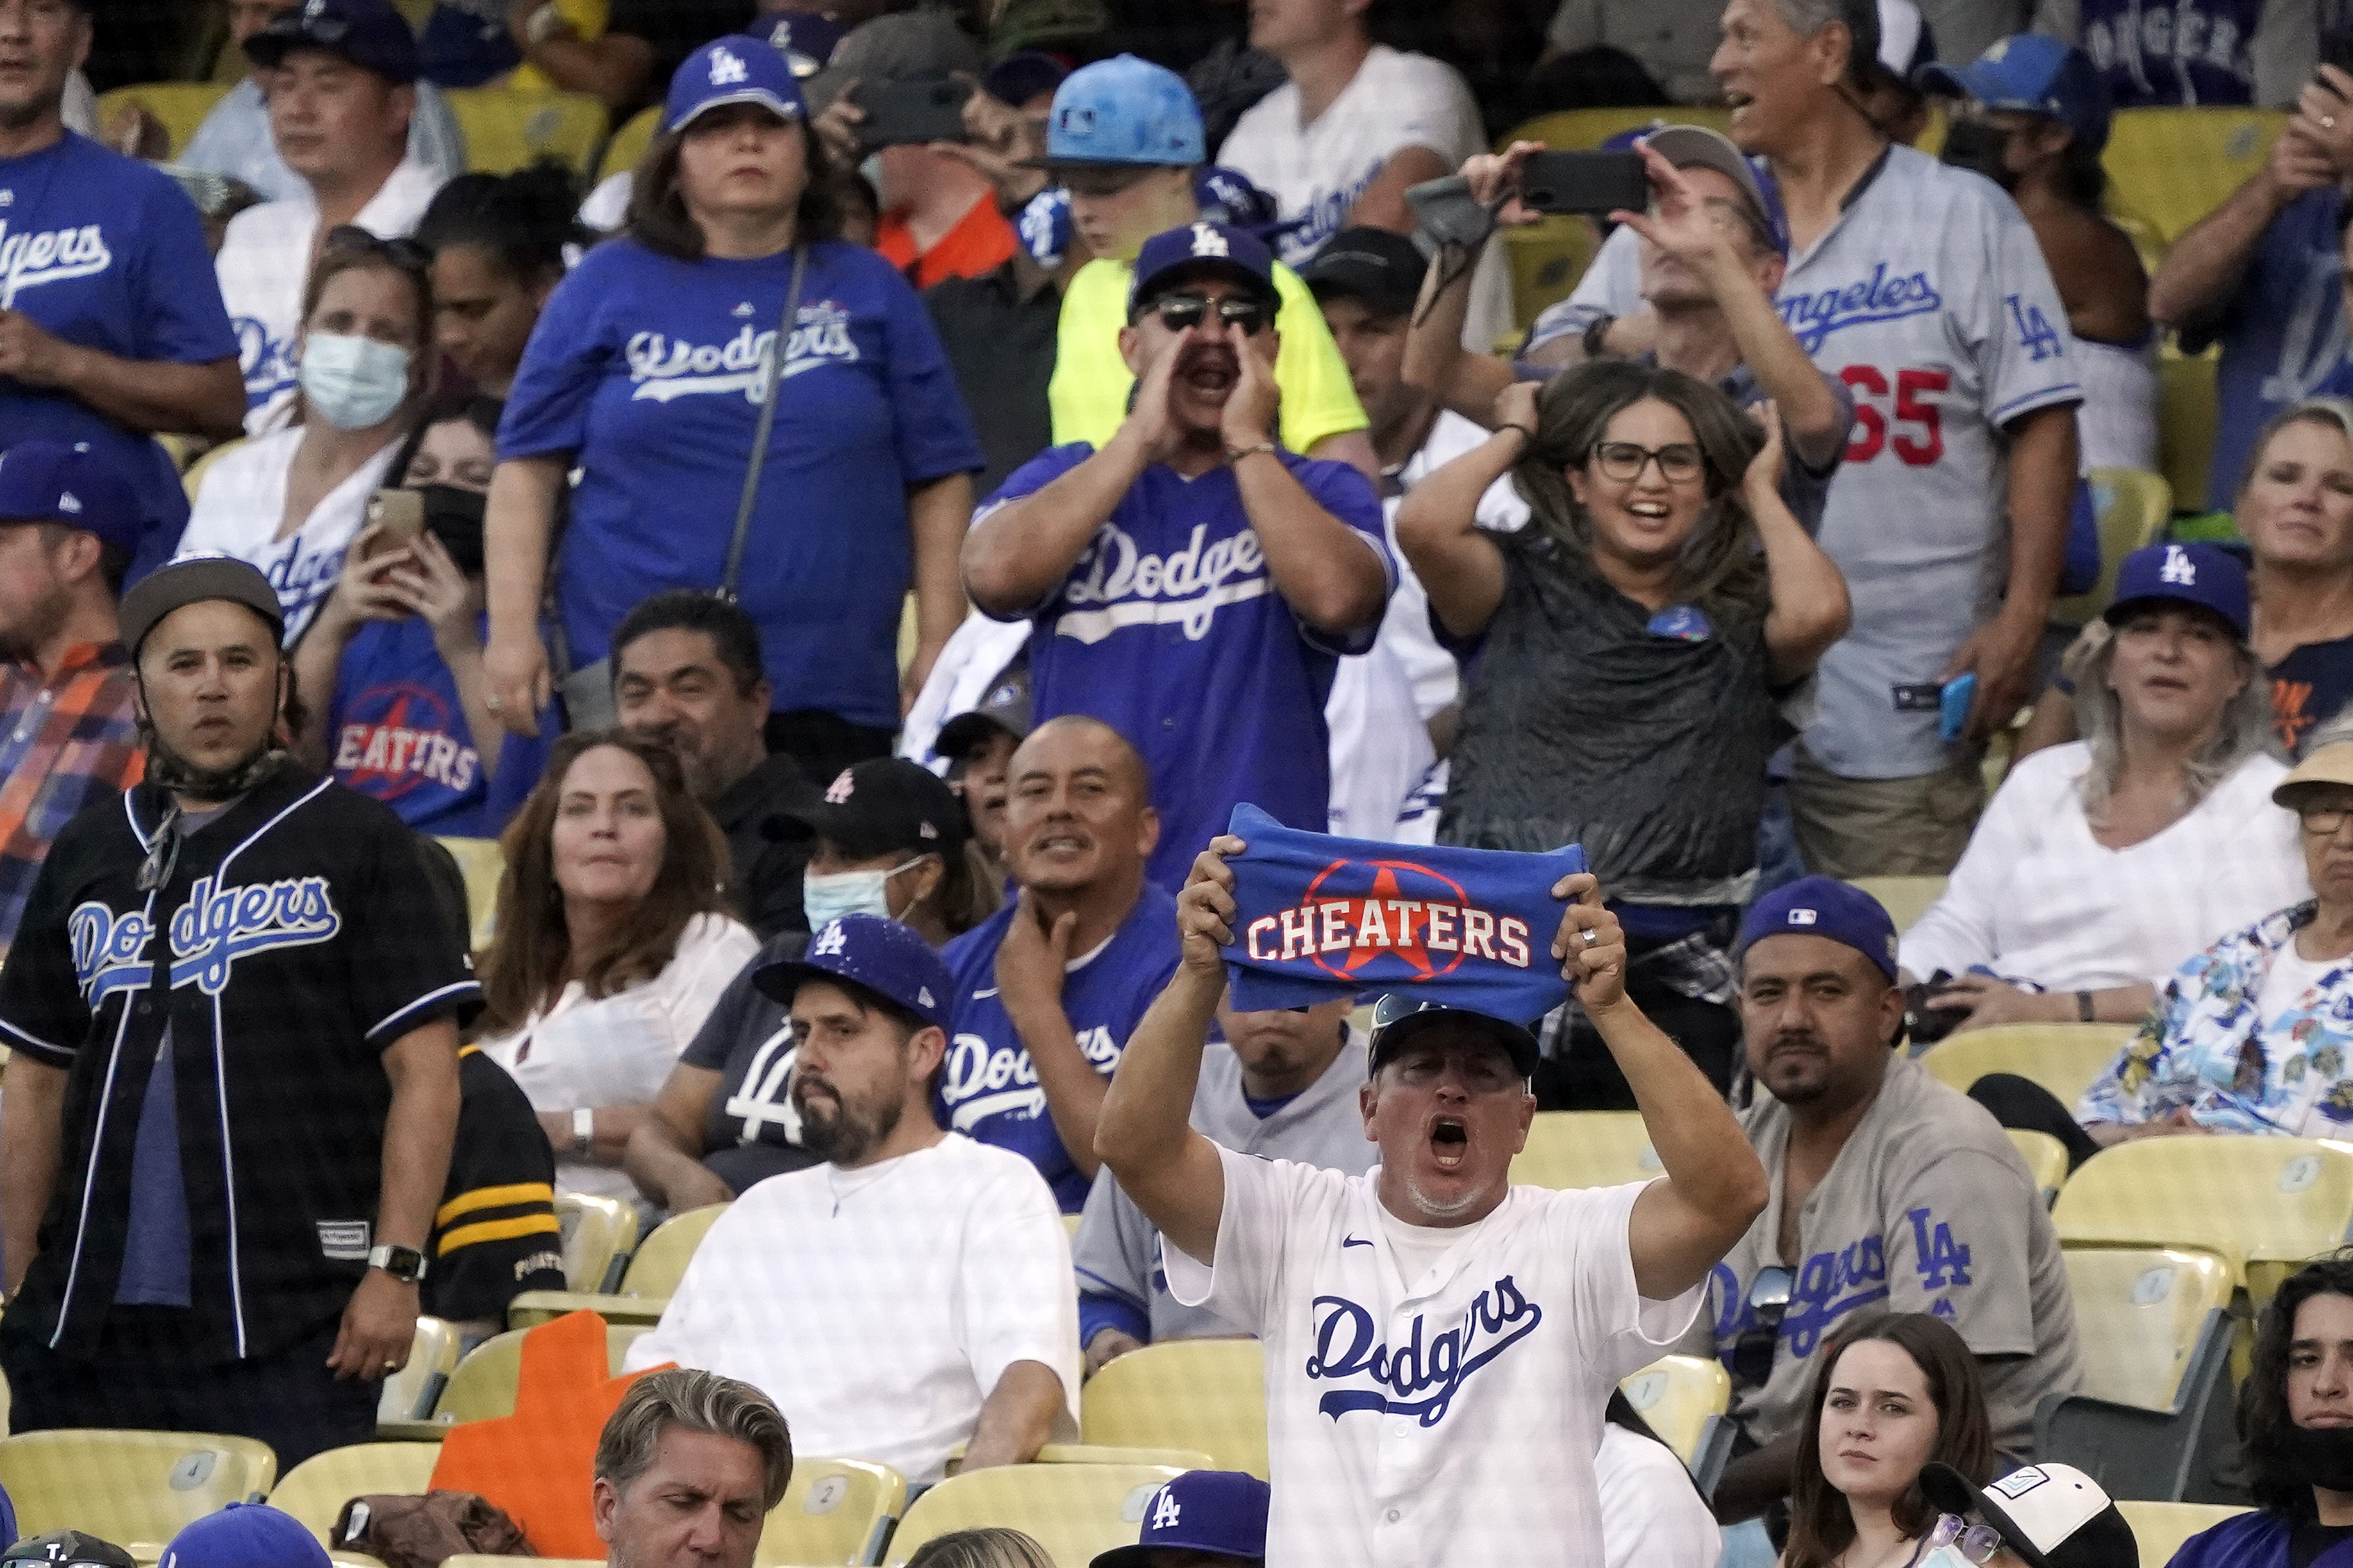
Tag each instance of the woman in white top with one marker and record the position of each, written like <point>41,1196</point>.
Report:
<point>2102,864</point>
<point>291,501</point>
<point>613,945</point>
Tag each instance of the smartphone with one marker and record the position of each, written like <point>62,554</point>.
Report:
<point>1597,182</point>
<point>401,516</point>
<point>899,113</point>
<point>2335,49</point>
<point>1953,706</point>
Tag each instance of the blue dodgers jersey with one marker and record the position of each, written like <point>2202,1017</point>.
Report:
<point>2190,52</point>
<point>106,253</point>
<point>397,732</point>
<point>2283,337</point>
<point>645,369</point>
<point>1317,916</point>
<point>1170,630</point>
<point>989,1089</point>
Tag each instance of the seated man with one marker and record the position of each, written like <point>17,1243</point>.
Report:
<point>1282,1086</point>
<point>1049,989</point>
<point>1886,1187</point>
<point>913,1292</point>
<point>687,1466</point>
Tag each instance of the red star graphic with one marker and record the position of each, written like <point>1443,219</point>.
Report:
<point>1405,927</point>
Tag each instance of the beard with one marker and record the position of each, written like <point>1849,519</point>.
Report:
<point>844,1134</point>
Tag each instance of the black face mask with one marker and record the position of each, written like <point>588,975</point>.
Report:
<point>1978,147</point>
<point>454,515</point>
<point>2319,1456</point>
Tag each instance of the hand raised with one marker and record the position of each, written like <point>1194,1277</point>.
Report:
<point>1590,944</point>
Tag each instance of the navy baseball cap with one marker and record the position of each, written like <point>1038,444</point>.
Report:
<point>1823,906</point>
<point>882,956</point>
<point>1398,1017</point>
<point>1215,246</point>
<point>2197,574</point>
<point>2034,75</point>
<point>246,1535</point>
<point>884,805</point>
<point>805,40</point>
<point>1124,111</point>
<point>737,69</point>
<point>47,481</point>
<point>1383,270</point>
<point>1220,1512</point>
<point>1023,75</point>
<point>368,33</point>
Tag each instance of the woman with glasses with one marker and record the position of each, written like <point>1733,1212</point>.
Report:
<point>1628,652</point>
<point>2100,865</point>
<point>291,501</point>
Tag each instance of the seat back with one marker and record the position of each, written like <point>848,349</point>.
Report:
<point>2160,1528</point>
<point>1571,129</point>
<point>2046,1161</point>
<point>2189,416</point>
<point>481,864</point>
<point>483,1385</point>
<point>1074,1511</point>
<point>1905,899</point>
<point>2062,1058</point>
<point>835,1510</point>
<point>1586,1149</point>
<point>2132,506</point>
<point>315,1490</point>
<point>2138,1315</point>
<point>598,1234</point>
<point>629,142</point>
<point>1677,1395</point>
<point>129,1486</point>
<point>410,1393</point>
<point>504,131</point>
<point>2173,166</point>
<point>180,106</point>
<point>1207,1395</point>
<point>661,1260</point>
<point>2249,1199</point>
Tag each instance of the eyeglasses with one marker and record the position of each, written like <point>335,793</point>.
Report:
<point>1624,461</point>
<point>2323,822</point>
<point>1183,312</point>
<point>350,239</point>
<point>1769,1298</point>
<point>1975,1542</point>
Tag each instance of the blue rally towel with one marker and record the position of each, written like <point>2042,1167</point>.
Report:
<point>1318,917</point>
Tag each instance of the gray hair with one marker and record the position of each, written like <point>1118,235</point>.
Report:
<point>2244,729</point>
<point>991,1548</point>
<point>1806,17</point>
<point>699,1402</point>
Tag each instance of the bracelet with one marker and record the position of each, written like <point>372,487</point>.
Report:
<point>1236,453</point>
<point>2084,1007</point>
<point>1524,429</point>
<point>1594,334</point>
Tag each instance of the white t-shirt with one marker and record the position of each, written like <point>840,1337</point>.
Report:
<point>618,1050</point>
<point>243,499</point>
<point>264,263</point>
<point>1651,1515</point>
<point>1451,1421</point>
<point>2289,978</point>
<point>2037,897</point>
<point>880,1307</point>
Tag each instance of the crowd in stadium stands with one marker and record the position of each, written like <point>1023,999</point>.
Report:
<point>845,566</point>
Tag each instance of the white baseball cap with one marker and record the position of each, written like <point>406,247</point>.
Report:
<point>2052,1516</point>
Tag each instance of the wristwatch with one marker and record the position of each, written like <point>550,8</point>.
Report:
<point>404,1264</point>
<point>584,1130</point>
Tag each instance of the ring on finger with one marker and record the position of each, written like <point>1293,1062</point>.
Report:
<point>491,703</point>
<point>1590,937</point>
<point>2328,122</point>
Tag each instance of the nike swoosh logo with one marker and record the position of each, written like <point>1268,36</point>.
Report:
<point>1354,1241</point>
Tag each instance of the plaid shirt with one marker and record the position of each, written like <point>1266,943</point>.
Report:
<point>63,744</point>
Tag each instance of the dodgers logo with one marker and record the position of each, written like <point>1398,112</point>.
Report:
<point>664,368</point>
<point>1422,1375</point>
<point>2178,568</point>
<point>727,67</point>
<point>208,934</point>
<point>30,258</point>
<point>1185,588</point>
<point>268,363</point>
<point>1381,922</point>
<point>1879,298</point>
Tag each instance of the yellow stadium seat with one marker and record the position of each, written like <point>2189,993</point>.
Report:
<point>587,18</point>
<point>179,106</point>
<point>2132,508</point>
<point>1074,1511</point>
<point>1205,1394</point>
<point>2154,1420</point>
<point>2254,1200</point>
<point>2160,1528</point>
<point>629,142</point>
<point>2173,166</point>
<point>481,863</point>
<point>193,480</point>
<point>410,1393</point>
<point>504,131</point>
<point>1905,899</point>
<point>2188,415</point>
<point>1572,129</point>
<point>315,1490</point>
<point>1546,259</point>
<point>1681,1398</point>
<point>2046,1161</point>
<point>1586,1149</point>
<point>2062,1058</point>
<point>1100,1453</point>
<point>598,1234</point>
<point>483,1386</point>
<point>835,1510</point>
<point>651,1279</point>
<point>129,1486</point>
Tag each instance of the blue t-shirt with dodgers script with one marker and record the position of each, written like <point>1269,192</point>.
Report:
<point>396,730</point>
<point>1168,628</point>
<point>107,253</point>
<point>989,1089</point>
<point>644,368</point>
<point>2283,334</point>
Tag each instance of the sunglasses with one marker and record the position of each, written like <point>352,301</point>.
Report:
<point>1624,461</point>
<point>1183,312</point>
<point>1975,1542</point>
<point>350,239</point>
<point>1769,1298</point>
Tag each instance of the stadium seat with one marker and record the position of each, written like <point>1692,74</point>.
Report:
<point>2132,508</point>
<point>1205,1394</point>
<point>2265,1205</point>
<point>127,1486</point>
<point>1586,1149</point>
<point>482,864</point>
<point>179,106</point>
<point>410,1393</point>
<point>1684,1398</point>
<point>315,1490</point>
<point>2187,415</point>
<point>835,1510</point>
<point>1572,129</point>
<point>504,131</point>
<point>587,18</point>
<point>1546,259</point>
<point>1905,899</point>
<point>194,480</point>
<point>2062,1058</point>
<point>483,1386</point>
<point>2046,1161</point>
<point>630,143</point>
<point>1074,1511</point>
<point>2173,166</point>
<point>2160,1528</point>
<point>598,1234</point>
<point>647,1285</point>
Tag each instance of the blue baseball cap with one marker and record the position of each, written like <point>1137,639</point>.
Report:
<point>805,40</point>
<point>881,955</point>
<point>47,481</point>
<point>1220,1512</point>
<point>2197,574</point>
<point>1824,906</point>
<point>1398,1017</point>
<point>368,33</point>
<point>2034,75</point>
<point>1211,246</point>
<point>737,69</point>
<point>1124,111</point>
<point>246,1535</point>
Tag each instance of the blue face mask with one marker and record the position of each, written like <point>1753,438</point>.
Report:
<point>352,382</point>
<point>827,898</point>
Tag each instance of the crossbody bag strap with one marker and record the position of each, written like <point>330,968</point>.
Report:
<point>772,383</point>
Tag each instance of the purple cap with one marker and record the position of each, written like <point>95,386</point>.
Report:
<point>368,33</point>
<point>2197,574</point>
<point>246,1535</point>
<point>1824,906</point>
<point>1220,1512</point>
<point>737,69</point>
<point>881,955</point>
<point>1205,245</point>
<point>47,481</point>
<point>2034,74</point>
